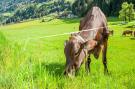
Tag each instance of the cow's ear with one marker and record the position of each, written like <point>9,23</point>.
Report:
<point>65,43</point>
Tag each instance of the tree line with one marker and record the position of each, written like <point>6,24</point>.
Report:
<point>109,7</point>
<point>35,11</point>
<point>78,8</point>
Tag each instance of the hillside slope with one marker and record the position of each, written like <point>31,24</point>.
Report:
<point>11,5</point>
<point>18,10</point>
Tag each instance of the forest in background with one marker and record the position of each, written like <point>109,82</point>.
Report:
<point>13,11</point>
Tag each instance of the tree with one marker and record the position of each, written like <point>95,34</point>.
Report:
<point>123,12</point>
<point>131,12</point>
<point>79,7</point>
<point>127,12</point>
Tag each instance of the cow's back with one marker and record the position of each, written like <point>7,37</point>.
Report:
<point>96,24</point>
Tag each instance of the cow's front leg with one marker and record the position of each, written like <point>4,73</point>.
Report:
<point>87,64</point>
<point>104,59</point>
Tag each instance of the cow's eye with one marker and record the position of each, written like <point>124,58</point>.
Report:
<point>76,53</point>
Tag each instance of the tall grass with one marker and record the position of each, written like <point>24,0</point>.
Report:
<point>41,65</point>
<point>16,66</point>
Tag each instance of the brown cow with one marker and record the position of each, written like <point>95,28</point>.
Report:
<point>91,40</point>
<point>127,32</point>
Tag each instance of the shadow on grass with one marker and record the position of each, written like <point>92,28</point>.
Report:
<point>113,19</point>
<point>77,20</point>
<point>55,69</point>
<point>133,38</point>
<point>127,36</point>
<point>131,26</point>
<point>70,21</point>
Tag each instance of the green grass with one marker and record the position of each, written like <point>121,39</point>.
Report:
<point>39,63</point>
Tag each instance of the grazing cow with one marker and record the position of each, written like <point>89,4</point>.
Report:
<point>111,32</point>
<point>127,32</point>
<point>91,39</point>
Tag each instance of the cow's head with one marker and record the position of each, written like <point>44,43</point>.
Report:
<point>76,51</point>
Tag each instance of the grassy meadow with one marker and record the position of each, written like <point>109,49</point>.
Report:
<point>28,61</point>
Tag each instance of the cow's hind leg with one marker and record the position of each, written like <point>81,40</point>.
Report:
<point>104,59</point>
<point>87,64</point>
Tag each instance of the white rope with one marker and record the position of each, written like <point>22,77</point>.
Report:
<point>26,41</point>
<point>93,29</point>
<point>80,38</point>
